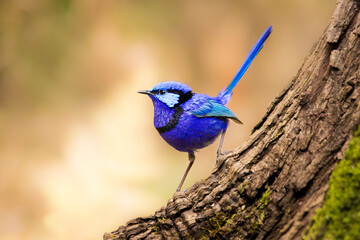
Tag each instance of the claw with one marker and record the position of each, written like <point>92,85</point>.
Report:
<point>220,154</point>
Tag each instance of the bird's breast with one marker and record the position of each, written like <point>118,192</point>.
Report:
<point>182,129</point>
<point>174,120</point>
<point>163,114</point>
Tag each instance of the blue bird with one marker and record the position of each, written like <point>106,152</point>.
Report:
<point>189,121</point>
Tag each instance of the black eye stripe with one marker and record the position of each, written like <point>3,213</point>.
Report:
<point>155,91</point>
<point>183,97</point>
<point>161,91</point>
<point>175,91</point>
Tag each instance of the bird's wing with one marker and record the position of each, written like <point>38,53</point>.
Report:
<point>213,109</point>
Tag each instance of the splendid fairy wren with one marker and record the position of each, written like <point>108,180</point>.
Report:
<point>189,121</point>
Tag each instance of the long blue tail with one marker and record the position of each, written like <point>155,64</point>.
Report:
<point>250,57</point>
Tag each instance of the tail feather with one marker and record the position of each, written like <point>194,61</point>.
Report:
<point>250,57</point>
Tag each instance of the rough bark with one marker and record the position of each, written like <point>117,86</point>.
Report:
<point>270,186</point>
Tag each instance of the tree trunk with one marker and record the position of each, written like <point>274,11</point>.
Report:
<point>270,186</point>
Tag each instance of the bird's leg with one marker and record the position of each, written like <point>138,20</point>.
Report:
<point>220,145</point>
<point>191,161</point>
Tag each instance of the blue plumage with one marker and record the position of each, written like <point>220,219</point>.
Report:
<point>189,121</point>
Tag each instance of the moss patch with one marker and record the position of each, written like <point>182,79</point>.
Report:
<point>259,211</point>
<point>339,218</point>
<point>218,225</point>
<point>222,223</point>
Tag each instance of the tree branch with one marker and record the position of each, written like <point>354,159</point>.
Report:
<point>270,186</point>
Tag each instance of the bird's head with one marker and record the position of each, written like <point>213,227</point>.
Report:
<point>172,94</point>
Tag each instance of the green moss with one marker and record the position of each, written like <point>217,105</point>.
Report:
<point>278,134</point>
<point>243,188</point>
<point>223,223</point>
<point>264,201</point>
<point>259,211</point>
<point>339,218</point>
<point>218,225</point>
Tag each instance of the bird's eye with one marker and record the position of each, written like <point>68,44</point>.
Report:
<point>162,92</point>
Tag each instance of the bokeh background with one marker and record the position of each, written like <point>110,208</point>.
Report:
<point>78,152</point>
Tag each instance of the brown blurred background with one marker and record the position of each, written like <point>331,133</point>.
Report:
<point>78,152</point>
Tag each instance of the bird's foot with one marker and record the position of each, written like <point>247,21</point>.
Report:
<point>219,154</point>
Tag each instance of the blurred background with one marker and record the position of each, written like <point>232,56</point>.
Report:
<point>78,151</point>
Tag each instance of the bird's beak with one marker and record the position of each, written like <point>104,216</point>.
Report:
<point>147,92</point>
